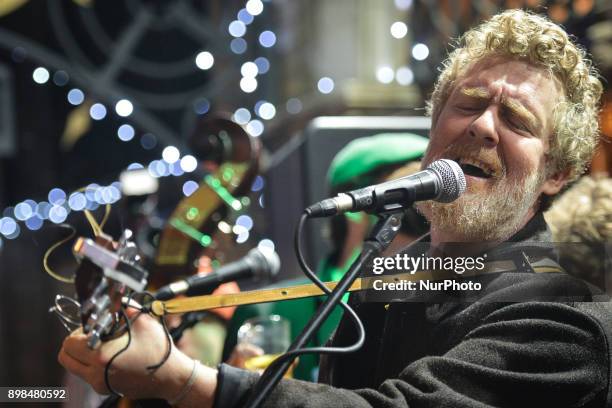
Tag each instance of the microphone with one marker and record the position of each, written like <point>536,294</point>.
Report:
<point>442,181</point>
<point>258,264</point>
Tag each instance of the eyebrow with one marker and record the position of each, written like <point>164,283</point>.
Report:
<point>479,92</point>
<point>520,110</point>
<point>515,106</point>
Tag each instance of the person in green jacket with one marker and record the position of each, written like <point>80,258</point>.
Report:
<point>362,162</point>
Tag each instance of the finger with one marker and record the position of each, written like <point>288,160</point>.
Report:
<point>132,309</point>
<point>75,345</point>
<point>73,365</point>
<point>145,322</point>
<point>249,350</point>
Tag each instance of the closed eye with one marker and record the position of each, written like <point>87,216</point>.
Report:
<point>517,124</point>
<point>468,109</point>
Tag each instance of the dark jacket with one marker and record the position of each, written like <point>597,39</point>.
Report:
<point>542,352</point>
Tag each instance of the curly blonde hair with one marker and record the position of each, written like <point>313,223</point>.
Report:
<point>583,214</point>
<point>522,35</point>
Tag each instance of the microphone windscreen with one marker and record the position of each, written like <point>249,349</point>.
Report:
<point>266,263</point>
<point>452,179</point>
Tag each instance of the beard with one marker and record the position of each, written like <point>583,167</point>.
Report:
<point>488,214</point>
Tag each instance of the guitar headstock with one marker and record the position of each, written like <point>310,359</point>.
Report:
<point>108,272</point>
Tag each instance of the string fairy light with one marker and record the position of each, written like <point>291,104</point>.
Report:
<point>34,214</point>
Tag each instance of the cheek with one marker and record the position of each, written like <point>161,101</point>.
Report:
<point>448,130</point>
<point>523,155</point>
<point>449,124</point>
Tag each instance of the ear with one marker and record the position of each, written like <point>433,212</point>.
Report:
<point>555,182</point>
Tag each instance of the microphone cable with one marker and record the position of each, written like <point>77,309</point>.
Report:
<point>290,355</point>
<point>128,328</point>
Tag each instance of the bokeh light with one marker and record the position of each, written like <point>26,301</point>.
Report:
<point>204,60</point>
<point>237,28</point>
<point>399,29</point>
<point>238,45</point>
<point>249,69</point>
<point>201,106</point>
<point>263,65</point>
<point>34,223</point>
<point>266,245</point>
<point>325,85</point>
<point>75,96</point>
<point>241,116</point>
<point>124,108</point>
<point>7,226</point>
<point>385,74</point>
<point>57,196</point>
<point>77,201</point>
<point>255,127</point>
<point>60,78</point>
<point>248,84</point>
<point>245,221</point>
<point>245,16</point>
<point>293,105</point>
<point>170,154</point>
<point>403,4</point>
<point>135,166</point>
<point>189,163</point>
<point>254,7</point>
<point>97,111</point>
<point>266,111</point>
<point>267,39</point>
<point>58,214</point>
<point>125,133</point>
<point>404,76</point>
<point>40,75</point>
<point>189,187</point>
<point>258,184</point>
<point>420,52</point>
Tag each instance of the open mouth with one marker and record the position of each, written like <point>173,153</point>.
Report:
<point>476,168</point>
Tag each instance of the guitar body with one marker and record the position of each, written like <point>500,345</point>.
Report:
<point>191,230</point>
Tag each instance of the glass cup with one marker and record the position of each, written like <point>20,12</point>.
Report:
<point>271,334</point>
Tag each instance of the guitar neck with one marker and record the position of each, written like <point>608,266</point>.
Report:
<point>207,302</point>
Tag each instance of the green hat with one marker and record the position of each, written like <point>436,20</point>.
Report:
<point>366,154</point>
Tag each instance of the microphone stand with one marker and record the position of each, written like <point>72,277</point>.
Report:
<point>379,239</point>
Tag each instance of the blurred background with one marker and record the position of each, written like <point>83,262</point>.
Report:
<point>178,89</point>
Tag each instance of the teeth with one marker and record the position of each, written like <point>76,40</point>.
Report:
<point>481,165</point>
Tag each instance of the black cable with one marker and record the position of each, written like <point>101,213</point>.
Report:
<point>168,349</point>
<point>128,324</point>
<point>314,278</point>
<point>117,328</point>
<point>273,374</point>
<point>146,308</point>
<point>112,400</point>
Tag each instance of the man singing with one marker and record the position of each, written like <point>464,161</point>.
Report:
<point>516,106</point>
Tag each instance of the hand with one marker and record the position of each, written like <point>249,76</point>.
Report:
<point>242,352</point>
<point>245,351</point>
<point>128,373</point>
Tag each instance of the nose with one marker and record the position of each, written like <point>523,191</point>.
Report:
<point>483,128</point>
